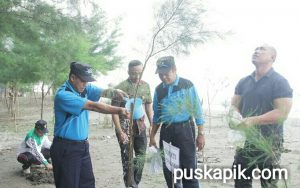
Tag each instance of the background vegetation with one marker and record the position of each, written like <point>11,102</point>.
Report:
<point>39,39</point>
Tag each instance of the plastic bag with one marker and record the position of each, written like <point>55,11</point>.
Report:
<point>236,138</point>
<point>154,159</point>
<point>234,119</point>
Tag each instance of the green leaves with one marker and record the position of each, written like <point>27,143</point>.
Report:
<point>179,26</point>
<point>38,40</point>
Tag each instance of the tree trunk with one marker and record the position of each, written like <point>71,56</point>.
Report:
<point>42,102</point>
<point>34,96</point>
<point>44,94</point>
<point>130,155</point>
<point>2,95</point>
<point>15,122</point>
<point>5,98</point>
<point>12,103</point>
<point>12,99</point>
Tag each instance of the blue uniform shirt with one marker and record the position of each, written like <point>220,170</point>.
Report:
<point>177,102</point>
<point>71,120</point>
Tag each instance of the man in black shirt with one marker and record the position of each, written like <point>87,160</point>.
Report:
<point>264,100</point>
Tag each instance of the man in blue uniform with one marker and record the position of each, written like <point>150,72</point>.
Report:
<point>70,155</point>
<point>264,100</point>
<point>176,104</point>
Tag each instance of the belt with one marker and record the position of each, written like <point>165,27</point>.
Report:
<point>179,123</point>
<point>65,140</point>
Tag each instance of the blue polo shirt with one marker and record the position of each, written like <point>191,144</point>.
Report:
<point>71,120</point>
<point>177,102</point>
<point>257,97</point>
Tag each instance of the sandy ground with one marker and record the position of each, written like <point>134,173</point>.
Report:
<point>105,153</point>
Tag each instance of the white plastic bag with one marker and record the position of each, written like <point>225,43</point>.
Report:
<point>236,138</point>
<point>154,159</point>
<point>234,119</point>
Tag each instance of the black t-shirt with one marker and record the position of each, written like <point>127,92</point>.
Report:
<point>257,97</point>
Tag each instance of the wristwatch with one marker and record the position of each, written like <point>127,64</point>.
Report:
<point>200,132</point>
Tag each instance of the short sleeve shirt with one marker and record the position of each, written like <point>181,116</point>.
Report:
<point>177,102</point>
<point>143,90</point>
<point>257,97</point>
<point>127,86</point>
<point>71,120</point>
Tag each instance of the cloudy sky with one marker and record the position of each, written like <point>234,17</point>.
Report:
<point>252,22</point>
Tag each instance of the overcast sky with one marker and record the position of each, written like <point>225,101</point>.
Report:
<point>253,22</point>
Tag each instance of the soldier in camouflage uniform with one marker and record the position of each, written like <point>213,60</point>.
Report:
<point>139,128</point>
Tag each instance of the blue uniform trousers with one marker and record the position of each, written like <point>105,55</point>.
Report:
<point>181,135</point>
<point>72,164</point>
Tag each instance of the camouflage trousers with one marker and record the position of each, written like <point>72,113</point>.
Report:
<point>139,146</point>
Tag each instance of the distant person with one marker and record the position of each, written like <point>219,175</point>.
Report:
<point>264,99</point>
<point>176,104</point>
<point>70,154</point>
<point>135,68</point>
<point>35,148</point>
